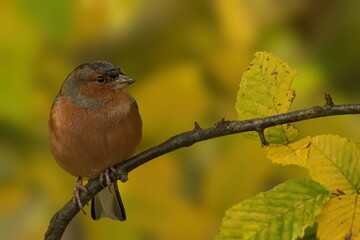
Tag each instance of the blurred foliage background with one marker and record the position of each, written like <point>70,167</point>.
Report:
<point>187,57</point>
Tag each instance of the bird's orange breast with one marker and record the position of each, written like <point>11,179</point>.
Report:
<point>87,141</point>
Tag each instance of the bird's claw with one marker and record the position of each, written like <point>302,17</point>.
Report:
<point>77,190</point>
<point>106,175</point>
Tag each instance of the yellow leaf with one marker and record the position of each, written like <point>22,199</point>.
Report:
<point>340,218</point>
<point>290,154</point>
<point>335,163</point>
<point>265,91</point>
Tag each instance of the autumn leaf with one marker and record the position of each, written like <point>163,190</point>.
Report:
<point>290,154</point>
<point>282,213</point>
<point>264,91</point>
<point>334,162</point>
<point>340,218</point>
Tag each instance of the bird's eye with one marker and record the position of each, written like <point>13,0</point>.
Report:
<point>100,79</point>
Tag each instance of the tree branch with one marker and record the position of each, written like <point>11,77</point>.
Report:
<point>63,217</point>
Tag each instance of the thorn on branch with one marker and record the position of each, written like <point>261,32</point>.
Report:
<point>329,101</point>
<point>262,138</point>
<point>219,122</point>
<point>197,126</point>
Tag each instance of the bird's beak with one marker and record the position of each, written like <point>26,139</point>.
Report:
<point>122,81</point>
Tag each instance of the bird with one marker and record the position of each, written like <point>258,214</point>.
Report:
<point>95,124</point>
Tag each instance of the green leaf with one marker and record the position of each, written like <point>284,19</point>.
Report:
<point>265,91</point>
<point>282,213</point>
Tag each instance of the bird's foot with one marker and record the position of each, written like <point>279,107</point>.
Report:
<point>77,190</point>
<point>105,177</point>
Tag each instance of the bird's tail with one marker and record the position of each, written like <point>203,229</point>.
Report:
<point>108,203</point>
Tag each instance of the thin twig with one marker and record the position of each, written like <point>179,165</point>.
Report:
<point>262,138</point>
<point>222,128</point>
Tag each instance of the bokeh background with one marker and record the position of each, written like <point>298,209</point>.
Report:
<point>187,57</point>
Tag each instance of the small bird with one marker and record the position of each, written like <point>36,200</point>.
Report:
<point>95,124</point>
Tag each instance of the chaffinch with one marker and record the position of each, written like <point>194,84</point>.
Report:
<point>95,124</point>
